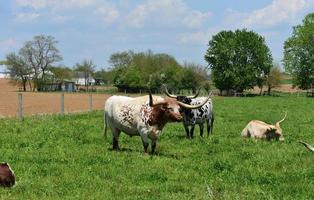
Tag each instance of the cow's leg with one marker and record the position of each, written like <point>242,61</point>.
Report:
<point>208,126</point>
<point>154,144</point>
<point>186,127</point>
<point>115,138</point>
<point>201,129</point>
<point>212,119</point>
<point>192,131</point>
<point>145,145</point>
<point>145,142</point>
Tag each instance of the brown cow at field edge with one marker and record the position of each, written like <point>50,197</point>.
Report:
<point>261,130</point>
<point>7,177</point>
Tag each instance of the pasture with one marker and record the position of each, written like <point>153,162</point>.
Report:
<point>67,157</point>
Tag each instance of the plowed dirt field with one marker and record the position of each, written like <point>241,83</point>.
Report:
<point>44,103</point>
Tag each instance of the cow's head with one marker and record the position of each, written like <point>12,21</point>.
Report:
<point>7,177</point>
<point>183,99</point>
<point>275,131</point>
<point>168,110</point>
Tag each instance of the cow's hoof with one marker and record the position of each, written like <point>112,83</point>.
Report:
<point>116,149</point>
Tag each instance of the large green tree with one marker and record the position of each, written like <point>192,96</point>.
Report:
<point>299,53</point>
<point>138,71</point>
<point>238,60</point>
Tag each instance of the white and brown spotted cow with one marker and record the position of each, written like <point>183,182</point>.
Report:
<point>261,130</point>
<point>7,177</point>
<point>142,116</point>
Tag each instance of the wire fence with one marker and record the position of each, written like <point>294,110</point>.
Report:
<point>13,104</point>
<point>28,103</point>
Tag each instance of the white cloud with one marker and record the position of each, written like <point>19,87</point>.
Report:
<point>53,4</point>
<point>166,12</point>
<point>108,13</point>
<point>24,17</point>
<point>195,19</point>
<point>278,11</point>
<point>36,4</point>
<point>61,11</point>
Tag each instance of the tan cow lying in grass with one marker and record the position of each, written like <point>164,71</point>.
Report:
<point>261,130</point>
<point>7,177</point>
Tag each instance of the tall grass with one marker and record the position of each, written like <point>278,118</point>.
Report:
<point>67,157</point>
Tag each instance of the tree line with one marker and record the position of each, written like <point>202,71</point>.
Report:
<point>35,65</point>
<point>135,72</point>
<point>237,60</point>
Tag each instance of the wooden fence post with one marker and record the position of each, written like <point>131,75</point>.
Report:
<point>20,109</point>
<point>90,100</point>
<point>62,104</point>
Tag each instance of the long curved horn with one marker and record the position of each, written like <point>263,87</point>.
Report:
<point>151,103</point>
<point>193,106</point>
<point>197,93</point>
<point>282,119</point>
<point>168,94</point>
<point>309,147</point>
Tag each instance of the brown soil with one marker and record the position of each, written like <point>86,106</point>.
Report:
<point>43,103</point>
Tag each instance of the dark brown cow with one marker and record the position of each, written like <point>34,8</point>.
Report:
<point>7,177</point>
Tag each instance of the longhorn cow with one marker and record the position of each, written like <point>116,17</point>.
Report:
<point>142,116</point>
<point>204,114</point>
<point>261,130</point>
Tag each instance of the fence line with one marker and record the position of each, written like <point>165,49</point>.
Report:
<point>90,100</point>
<point>20,108</point>
<point>62,103</point>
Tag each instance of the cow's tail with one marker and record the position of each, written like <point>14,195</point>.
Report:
<point>105,125</point>
<point>212,123</point>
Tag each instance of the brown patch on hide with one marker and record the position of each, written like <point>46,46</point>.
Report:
<point>127,114</point>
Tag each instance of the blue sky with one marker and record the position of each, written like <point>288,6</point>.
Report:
<point>94,29</point>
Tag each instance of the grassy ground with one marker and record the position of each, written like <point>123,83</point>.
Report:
<point>67,157</point>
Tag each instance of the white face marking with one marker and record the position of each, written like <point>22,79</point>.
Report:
<point>176,109</point>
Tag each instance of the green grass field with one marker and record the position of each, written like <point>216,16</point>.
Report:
<point>57,157</point>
